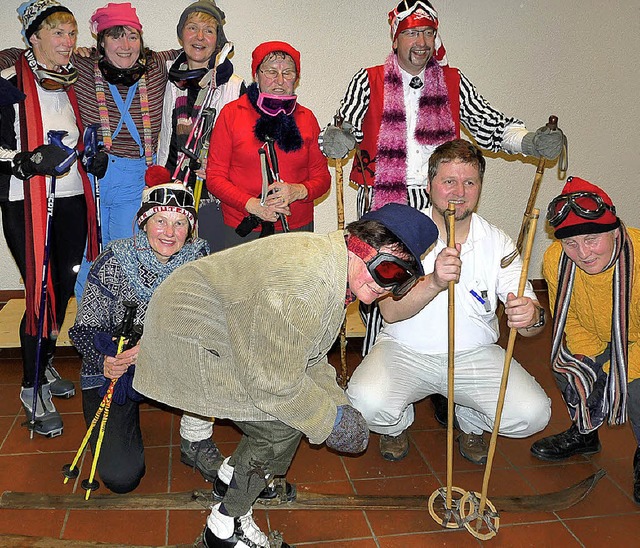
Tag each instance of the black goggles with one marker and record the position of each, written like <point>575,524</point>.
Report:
<point>170,196</point>
<point>121,76</point>
<point>586,205</point>
<point>392,273</point>
<point>54,81</point>
<point>189,78</point>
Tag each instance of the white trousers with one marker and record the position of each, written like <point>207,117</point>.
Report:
<point>392,377</point>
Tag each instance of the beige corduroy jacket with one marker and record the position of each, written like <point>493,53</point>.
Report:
<point>243,334</point>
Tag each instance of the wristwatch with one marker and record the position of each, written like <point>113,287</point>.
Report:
<point>541,319</point>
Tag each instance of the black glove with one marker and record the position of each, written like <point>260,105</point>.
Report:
<point>545,143</point>
<point>337,142</point>
<point>42,161</point>
<point>97,164</point>
<point>350,432</point>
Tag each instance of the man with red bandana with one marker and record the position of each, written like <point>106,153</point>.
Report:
<point>594,292</point>
<point>399,112</point>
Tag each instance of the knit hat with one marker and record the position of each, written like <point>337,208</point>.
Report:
<point>115,15</point>
<point>266,48</point>
<point>209,7</point>
<point>34,12</point>
<point>163,194</point>
<point>412,13</point>
<point>578,208</point>
<point>412,227</point>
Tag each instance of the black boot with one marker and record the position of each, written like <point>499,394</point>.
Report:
<point>636,476</point>
<point>440,408</point>
<point>568,443</point>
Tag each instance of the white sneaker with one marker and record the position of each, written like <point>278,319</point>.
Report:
<point>228,531</point>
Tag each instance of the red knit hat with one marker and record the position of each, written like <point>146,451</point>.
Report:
<point>266,48</point>
<point>578,208</point>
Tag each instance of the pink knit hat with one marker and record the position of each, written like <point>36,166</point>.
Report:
<point>114,15</point>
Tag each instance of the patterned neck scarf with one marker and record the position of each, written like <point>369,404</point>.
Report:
<point>591,395</point>
<point>143,269</point>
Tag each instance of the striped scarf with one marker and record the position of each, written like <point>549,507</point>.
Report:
<point>591,395</point>
<point>434,126</point>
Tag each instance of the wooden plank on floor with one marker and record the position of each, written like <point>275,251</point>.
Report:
<point>11,315</point>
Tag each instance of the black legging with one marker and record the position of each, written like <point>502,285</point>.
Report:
<point>68,238</point>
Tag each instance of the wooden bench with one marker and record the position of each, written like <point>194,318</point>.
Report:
<point>11,315</point>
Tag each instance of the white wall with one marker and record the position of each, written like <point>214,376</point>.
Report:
<point>577,59</point>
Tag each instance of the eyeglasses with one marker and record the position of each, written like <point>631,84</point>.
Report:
<point>587,205</point>
<point>165,196</point>
<point>54,81</point>
<point>413,33</point>
<point>275,104</point>
<point>392,273</point>
<point>271,74</point>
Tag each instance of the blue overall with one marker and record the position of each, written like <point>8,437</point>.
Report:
<point>120,188</point>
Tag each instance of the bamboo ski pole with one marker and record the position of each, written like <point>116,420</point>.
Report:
<point>451,242</point>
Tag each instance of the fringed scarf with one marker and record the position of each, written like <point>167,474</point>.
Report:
<point>434,126</point>
<point>35,202</point>
<point>591,395</point>
<point>282,128</point>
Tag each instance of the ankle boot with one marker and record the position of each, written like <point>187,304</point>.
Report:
<point>566,444</point>
<point>60,388</point>
<point>47,420</point>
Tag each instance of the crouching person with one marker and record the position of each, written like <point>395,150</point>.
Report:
<point>129,271</point>
<point>244,334</point>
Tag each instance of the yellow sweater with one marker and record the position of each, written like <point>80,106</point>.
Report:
<point>588,327</point>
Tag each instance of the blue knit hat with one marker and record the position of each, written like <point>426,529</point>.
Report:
<point>412,227</point>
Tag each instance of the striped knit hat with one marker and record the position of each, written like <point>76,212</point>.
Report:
<point>34,12</point>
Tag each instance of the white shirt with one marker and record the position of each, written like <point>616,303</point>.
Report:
<point>475,324</point>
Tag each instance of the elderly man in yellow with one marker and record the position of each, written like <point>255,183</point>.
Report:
<point>596,326</point>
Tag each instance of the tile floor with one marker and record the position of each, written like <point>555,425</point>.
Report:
<point>607,517</point>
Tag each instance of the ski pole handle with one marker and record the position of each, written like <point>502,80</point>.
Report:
<point>55,137</point>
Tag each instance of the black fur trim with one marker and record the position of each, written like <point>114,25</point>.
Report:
<point>281,128</point>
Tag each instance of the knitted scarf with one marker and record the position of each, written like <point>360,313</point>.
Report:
<point>35,202</point>
<point>282,128</point>
<point>434,126</point>
<point>591,395</point>
<point>141,266</point>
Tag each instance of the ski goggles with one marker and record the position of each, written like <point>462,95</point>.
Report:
<point>163,196</point>
<point>586,205</point>
<point>184,79</point>
<point>387,270</point>
<point>392,273</point>
<point>54,81</point>
<point>121,76</point>
<point>407,8</point>
<point>273,105</point>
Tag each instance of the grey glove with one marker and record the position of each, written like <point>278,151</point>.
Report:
<point>350,432</point>
<point>545,142</point>
<point>337,142</point>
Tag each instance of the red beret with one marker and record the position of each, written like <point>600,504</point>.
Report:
<point>266,48</point>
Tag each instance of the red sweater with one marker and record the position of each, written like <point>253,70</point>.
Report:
<point>233,165</point>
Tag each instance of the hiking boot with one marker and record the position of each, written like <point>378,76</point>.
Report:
<point>636,476</point>
<point>203,455</point>
<point>270,493</point>
<point>47,421</point>
<point>440,408</point>
<point>473,447</point>
<point>224,531</point>
<point>60,388</point>
<point>566,444</point>
<point>394,448</point>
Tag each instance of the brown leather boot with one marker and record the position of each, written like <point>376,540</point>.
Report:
<point>394,448</point>
<point>473,447</point>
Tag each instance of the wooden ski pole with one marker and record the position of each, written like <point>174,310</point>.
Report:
<point>451,242</point>
<point>341,224</point>
<point>475,529</point>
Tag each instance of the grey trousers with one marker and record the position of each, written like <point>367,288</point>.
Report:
<point>265,450</point>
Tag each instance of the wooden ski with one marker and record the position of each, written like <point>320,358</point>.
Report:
<point>306,500</point>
